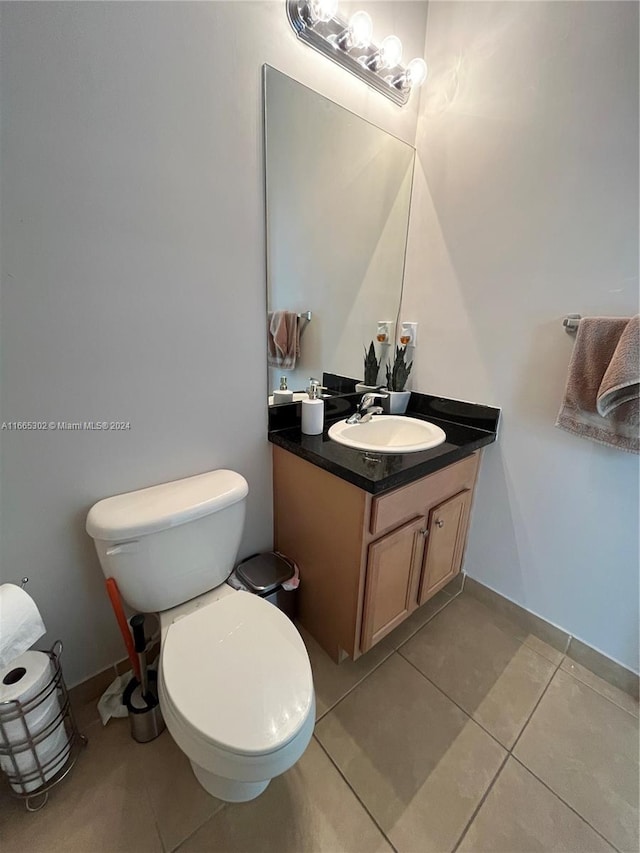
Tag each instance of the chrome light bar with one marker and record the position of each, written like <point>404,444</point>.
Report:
<point>348,43</point>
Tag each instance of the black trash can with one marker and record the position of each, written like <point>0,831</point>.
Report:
<point>270,575</point>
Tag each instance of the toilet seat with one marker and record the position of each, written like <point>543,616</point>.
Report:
<point>237,673</point>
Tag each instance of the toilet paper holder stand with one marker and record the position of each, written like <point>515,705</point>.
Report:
<point>21,784</point>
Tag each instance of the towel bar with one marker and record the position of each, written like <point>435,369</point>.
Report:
<point>571,323</point>
<point>305,319</point>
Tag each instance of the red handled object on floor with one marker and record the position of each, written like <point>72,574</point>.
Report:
<point>116,603</point>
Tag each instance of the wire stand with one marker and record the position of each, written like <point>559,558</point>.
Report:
<point>33,784</point>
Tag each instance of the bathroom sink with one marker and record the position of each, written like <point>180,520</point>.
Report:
<point>388,434</point>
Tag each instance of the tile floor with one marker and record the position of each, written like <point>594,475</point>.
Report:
<point>457,732</point>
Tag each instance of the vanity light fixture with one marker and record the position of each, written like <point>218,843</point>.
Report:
<point>317,23</point>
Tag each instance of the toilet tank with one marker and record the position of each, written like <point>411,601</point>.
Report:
<point>169,543</point>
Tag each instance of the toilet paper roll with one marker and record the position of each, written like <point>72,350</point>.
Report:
<point>22,681</point>
<point>21,623</point>
<point>52,755</point>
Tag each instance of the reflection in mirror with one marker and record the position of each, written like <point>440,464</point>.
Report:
<point>337,205</point>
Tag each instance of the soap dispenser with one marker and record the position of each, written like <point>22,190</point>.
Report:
<point>313,410</point>
<point>283,395</point>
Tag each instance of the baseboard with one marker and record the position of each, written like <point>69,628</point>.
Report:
<point>523,620</point>
<point>92,688</point>
<point>529,623</point>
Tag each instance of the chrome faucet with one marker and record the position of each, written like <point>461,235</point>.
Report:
<point>366,408</point>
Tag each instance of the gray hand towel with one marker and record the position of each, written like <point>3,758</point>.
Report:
<point>621,381</point>
<point>604,364</point>
<point>283,339</point>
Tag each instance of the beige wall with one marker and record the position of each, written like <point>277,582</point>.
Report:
<point>133,278</point>
<point>133,274</point>
<point>525,208</point>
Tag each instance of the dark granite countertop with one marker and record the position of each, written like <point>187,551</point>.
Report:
<point>468,427</point>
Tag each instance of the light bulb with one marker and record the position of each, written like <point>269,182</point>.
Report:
<point>390,52</point>
<point>416,72</point>
<point>360,30</point>
<point>322,10</point>
<point>388,55</point>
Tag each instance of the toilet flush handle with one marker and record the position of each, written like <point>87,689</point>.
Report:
<point>123,548</point>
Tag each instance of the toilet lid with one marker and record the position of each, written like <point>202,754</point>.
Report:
<point>238,672</point>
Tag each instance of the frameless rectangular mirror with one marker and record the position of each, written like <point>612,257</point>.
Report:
<point>338,191</point>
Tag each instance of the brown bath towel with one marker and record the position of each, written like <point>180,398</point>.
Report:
<point>601,398</point>
<point>283,339</point>
<point>621,381</point>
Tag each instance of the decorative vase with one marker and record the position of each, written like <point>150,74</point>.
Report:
<point>396,403</point>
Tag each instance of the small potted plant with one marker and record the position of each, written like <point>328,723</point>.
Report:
<point>371,369</point>
<point>397,375</point>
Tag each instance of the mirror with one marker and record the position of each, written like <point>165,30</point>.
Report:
<point>337,208</point>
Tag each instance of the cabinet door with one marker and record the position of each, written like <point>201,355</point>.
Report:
<point>393,566</point>
<point>447,531</point>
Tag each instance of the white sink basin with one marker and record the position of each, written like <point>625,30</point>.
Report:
<point>388,434</point>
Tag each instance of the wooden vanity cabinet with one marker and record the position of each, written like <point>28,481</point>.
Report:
<point>368,561</point>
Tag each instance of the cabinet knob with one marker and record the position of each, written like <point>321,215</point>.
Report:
<point>439,522</point>
<point>424,532</point>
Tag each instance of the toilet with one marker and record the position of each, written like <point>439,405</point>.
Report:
<point>234,679</point>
